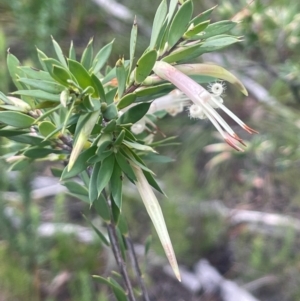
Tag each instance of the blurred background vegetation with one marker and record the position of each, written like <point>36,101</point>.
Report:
<point>204,184</point>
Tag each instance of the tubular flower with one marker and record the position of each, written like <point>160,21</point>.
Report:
<point>204,103</point>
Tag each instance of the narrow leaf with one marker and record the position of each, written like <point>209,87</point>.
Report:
<point>87,56</point>
<point>134,114</point>
<point>101,58</point>
<point>59,53</point>
<point>180,23</point>
<point>105,173</point>
<point>159,19</point>
<point>16,119</point>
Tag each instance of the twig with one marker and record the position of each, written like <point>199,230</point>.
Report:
<point>135,264</point>
<point>112,234</point>
<point>111,229</point>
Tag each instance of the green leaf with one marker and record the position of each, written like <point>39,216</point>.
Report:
<point>134,114</point>
<point>120,138</point>
<point>101,57</point>
<point>145,90</point>
<point>181,53</point>
<point>102,208</point>
<point>144,65</point>
<point>97,85</point>
<point>110,95</point>
<point>79,165</point>
<point>196,30</point>
<point>151,180</point>
<point>20,164</point>
<point>36,74</point>
<point>36,152</point>
<point>159,19</point>
<point>87,56</point>
<point>46,128</point>
<point>76,188</point>
<point>121,77</point>
<point>216,29</point>
<point>13,68</point>
<point>110,126</point>
<point>105,173</point>
<point>93,191</point>
<point>180,23</point>
<point>116,185</point>
<point>29,139</point>
<point>202,17</point>
<point>125,166</point>
<point>11,131</point>
<point>215,43</point>
<point>59,53</point>
<point>98,232</point>
<point>38,94</point>
<point>132,156</point>
<point>132,47</point>
<point>16,119</point>
<point>80,73</point>
<point>57,72</point>
<point>122,225</point>
<point>172,9</point>
<point>42,56</point>
<point>139,146</point>
<point>47,86</point>
<point>127,100</point>
<point>72,53</point>
<point>117,290</point>
<point>111,112</point>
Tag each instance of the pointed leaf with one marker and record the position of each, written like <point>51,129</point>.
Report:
<point>79,165</point>
<point>121,77</point>
<point>180,23</point>
<point>97,85</point>
<point>133,40</point>
<point>159,19</point>
<point>16,119</point>
<point>217,29</point>
<point>102,208</point>
<point>105,173</point>
<point>116,185</point>
<point>93,191</point>
<point>98,232</point>
<point>87,56</point>
<point>134,114</point>
<point>202,17</point>
<point>101,57</point>
<point>125,166</point>
<point>59,53</point>
<point>80,73</point>
<point>47,86</point>
<point>39,94</point>
<point>72,53</point>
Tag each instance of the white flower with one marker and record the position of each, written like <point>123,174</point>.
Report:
<point>204,103</point>
<point>173,103</point>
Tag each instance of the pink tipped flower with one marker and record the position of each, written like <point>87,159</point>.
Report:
<point>204,103</point>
